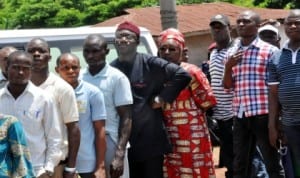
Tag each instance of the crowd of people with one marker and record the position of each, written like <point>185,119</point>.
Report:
<point>145,116</point>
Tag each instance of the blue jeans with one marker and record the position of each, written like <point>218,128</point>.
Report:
<point>292,134</point>
<point>259,169</point>
<point>247,133</point>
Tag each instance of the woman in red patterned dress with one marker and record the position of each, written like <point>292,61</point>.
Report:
<point>185,118</point>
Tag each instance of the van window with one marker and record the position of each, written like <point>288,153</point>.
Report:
<point>62,40</point>
<point>55,52</point>
<point>75,46</point>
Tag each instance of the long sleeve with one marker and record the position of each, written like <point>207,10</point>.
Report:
<point>53,136</point>
<point>200,88</point>
<point>176,78</point>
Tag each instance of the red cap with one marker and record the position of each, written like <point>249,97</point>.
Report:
<point>172,33</point>
<point>129,26</point>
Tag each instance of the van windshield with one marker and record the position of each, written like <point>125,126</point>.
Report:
<point>75,46</point>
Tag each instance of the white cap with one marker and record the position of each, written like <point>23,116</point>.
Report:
<point>268,27</point>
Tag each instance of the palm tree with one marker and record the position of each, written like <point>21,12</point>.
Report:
<point>168,13</point>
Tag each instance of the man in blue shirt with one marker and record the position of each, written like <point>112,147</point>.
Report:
<point>92,115</point>
<point>284,87</point>
<point>118,100</point>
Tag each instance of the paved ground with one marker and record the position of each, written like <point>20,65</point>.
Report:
<point>220,172</point>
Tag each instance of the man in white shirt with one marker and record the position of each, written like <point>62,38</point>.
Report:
<point>65,100</point>
<point>36,111</point>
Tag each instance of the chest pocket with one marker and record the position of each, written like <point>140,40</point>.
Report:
<point>82,105</point>
<point>31,115</point>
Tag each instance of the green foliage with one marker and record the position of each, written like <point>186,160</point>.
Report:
<point>102,11</point>
<point>245,3</point>
<point>66,13</point>
<point>278,4</point>
<point>192,1</point>
<point>36,15</point>
<point>148,3</point>
<point>66,18</point>
<point>75,4</point>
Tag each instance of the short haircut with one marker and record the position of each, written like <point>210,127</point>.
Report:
<point>18,53</point>
<point>100,39</point>
<point>293,13</point>
<point>8,48</point>
<point>38,39</point>
<point>66,54</point>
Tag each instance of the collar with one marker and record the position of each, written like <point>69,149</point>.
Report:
<point>286,45</point>
<point>255,43</point>
<point>30,88</point>
<point>294,53</point>
<point>78,89</point>
<point>102,73</point>
<point>49,81</point>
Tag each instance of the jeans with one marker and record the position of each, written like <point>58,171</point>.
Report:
<point>258,166</point>
<point>247,132</point>
<point>226,145</point>
<point>292,134</point>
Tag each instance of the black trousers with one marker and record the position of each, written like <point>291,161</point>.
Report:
<point>151,168</point>
<point>246,133</point>
<point>226,145</point>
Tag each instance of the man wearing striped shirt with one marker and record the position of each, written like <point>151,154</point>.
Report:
<point>246,73</point>
<point>222,112</point>
<point>284,86</point>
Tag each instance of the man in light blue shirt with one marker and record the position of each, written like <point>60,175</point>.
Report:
<point>118,100</point>
<point>92,115</point>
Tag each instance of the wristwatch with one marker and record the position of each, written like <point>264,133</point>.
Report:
<point>70,170</point>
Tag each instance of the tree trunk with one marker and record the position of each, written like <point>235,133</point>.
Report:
<point>168,14</point>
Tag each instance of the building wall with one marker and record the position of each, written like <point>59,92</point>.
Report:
<point>198,45</point>
<point>198,48</point>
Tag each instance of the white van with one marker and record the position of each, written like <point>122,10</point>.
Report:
<point>63,40</point>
